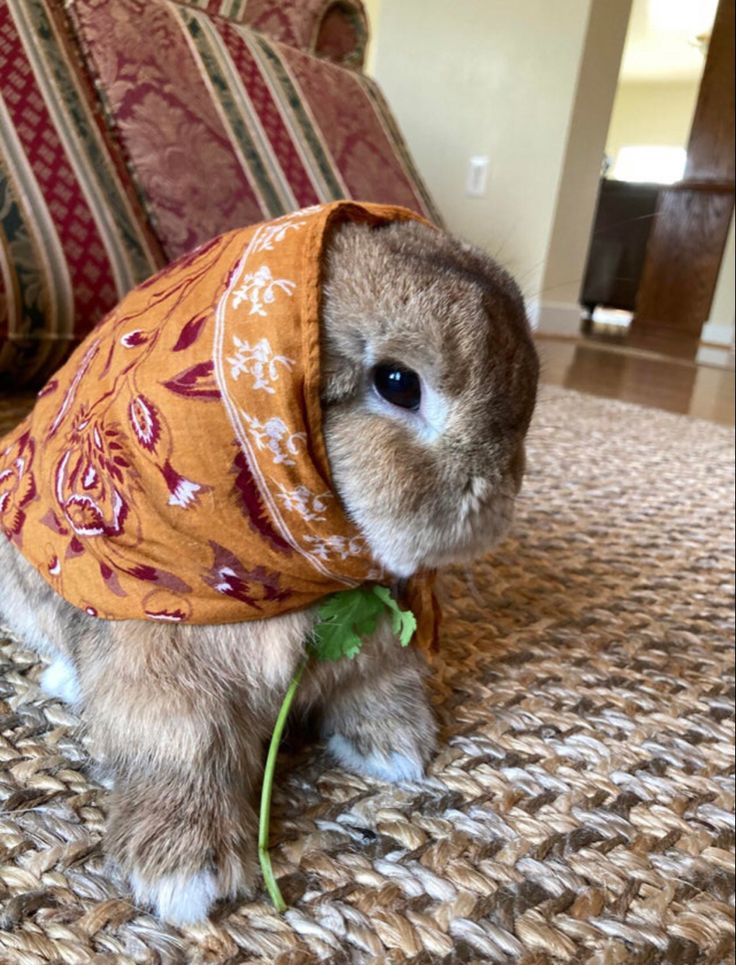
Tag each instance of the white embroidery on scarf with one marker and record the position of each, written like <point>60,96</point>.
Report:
<point>252,283</point>
<point>331,547</point>
<point>259,289</point>
<point>310,506</point>
<point>274,435</point>
<point>259,361</point>
<point>273,233</point>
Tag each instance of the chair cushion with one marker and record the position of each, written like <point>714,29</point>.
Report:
<point>334,29</point>
<point>221,127</point>
<point>133,130</point>
<point>73,238</point>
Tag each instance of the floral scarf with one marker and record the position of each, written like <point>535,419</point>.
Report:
<point>175,469</point>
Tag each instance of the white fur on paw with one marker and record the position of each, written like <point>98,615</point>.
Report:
<point>393,767</point>
<point>60,680</point>
<point>178,898</point>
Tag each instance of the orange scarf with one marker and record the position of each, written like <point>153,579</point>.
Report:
<point>175,468</point>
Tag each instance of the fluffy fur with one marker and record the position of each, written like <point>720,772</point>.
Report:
<point>447,475</point>
<point>178,714</point>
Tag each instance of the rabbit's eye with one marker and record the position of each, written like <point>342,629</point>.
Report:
<point>398,386</point>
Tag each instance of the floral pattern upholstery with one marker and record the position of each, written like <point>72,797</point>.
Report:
<point>222,127</point>
<point>134,130</point>
<point>73,236</point>
<point>335,29</point>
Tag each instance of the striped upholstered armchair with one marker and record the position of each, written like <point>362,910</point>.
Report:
<point>133,130</point>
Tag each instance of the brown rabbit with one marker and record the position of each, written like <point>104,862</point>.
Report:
<point>428,384</point>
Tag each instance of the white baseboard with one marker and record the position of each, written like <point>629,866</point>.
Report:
<point>720,356</point>
<point>532,312</point>
<point>559,318</point>
<point>613,317</point>
<point>564,318</point>
<point>718,333</point>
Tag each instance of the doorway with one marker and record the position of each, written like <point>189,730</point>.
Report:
<point>665,198</point>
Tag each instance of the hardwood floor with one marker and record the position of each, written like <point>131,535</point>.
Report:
<point>704,391</point>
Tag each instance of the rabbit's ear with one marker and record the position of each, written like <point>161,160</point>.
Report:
<point>342,377</point>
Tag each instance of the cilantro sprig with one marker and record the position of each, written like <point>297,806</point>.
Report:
<point>345,620</point>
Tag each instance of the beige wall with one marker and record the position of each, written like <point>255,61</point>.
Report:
<point>652,113</point>
<point>373,9</point>
<point>531,85</point>
<point>486,77</point>
<point>720,327</point>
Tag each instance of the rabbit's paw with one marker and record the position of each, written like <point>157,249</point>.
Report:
<point>183,850</point>
<point>391,766</point>
<point>186,897</point>
<point>178,898</point>
<point>60,680</point>
<point>380,723</point>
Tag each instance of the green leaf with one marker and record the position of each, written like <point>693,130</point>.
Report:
<point>344,619</point>
<point>403,622</point>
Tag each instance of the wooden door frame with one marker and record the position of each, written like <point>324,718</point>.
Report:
<point>685,249</point>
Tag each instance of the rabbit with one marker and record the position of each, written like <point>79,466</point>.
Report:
<point>429,378</point>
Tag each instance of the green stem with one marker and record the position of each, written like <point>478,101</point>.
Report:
<point>264,818</point>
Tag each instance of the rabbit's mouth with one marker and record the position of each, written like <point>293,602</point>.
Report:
<point>442,538</point>
<point>481,526</point>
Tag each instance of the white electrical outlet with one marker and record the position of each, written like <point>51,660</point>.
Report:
<point>477,177</point>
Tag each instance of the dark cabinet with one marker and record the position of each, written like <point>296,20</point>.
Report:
<point>623,221</point>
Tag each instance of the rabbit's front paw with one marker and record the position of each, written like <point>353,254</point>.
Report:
<point>382,726</point>
<point>182,851</point>
<point>391,766</point>
<point>60,680</point>
<point>178,898</point>
<point>186,896</point>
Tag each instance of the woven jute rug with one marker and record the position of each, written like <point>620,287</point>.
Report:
<point>581,806</point>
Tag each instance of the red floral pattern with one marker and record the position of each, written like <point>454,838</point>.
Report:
<point>175,470</point>
<point>145,421</point>
<point>169,124</point>
<point>250,586</point>
<point>284,146</point>
<point>73,236</point>
<point>360,147</point>
<point>93,477</point>
<point>17,485</point>
<point>335,30</point>
<point>171,166</point>
<point>83,247</point>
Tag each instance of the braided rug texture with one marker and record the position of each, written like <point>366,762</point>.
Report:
<point>581,807</point>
